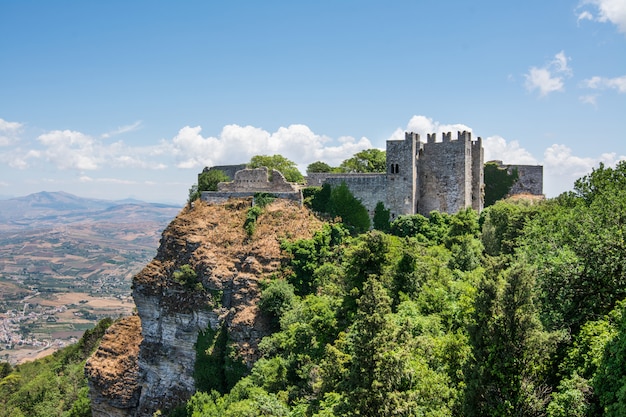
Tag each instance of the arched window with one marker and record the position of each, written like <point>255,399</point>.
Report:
<point>397,169</point>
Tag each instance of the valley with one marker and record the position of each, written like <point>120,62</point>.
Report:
<point>64,268</point>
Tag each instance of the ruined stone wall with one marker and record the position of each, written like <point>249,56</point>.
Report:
<point>368,188</point>
<point>402,182</point>
<point>248,182</point>
<point>529,181</point>
<point>445,174</point>
<point>229,170</point>
<point>257,180</point>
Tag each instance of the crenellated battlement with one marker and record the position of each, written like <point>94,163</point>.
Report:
<point>464,136</point>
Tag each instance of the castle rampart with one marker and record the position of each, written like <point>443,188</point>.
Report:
<point>445,176</point>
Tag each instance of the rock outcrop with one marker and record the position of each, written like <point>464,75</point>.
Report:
<point>229,264</point>
<point>113,370</point>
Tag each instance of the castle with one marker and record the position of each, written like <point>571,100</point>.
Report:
<point>445,176</point>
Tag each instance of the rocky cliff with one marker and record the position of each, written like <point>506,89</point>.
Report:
<point>138,370</point>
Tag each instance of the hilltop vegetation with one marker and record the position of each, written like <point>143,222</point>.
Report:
<point>516,312</point>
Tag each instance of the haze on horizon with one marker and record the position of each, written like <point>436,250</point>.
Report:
<point>115,100</point>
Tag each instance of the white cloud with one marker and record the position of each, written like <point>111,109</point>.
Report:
<point>585,15</point>
<point>589,99</point>
<point>123,129</point>
<point>424,125</point>
<point>613,11</point>
<point>9,132</point>
<point>562,168</point>
<point>549,78</point>
<point>497,148</point>
<point>238,144</point>
<point>116,181</point>
<point>70,150</point>
<point>617,83</point>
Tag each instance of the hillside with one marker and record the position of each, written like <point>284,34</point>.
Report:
<point>65,263</point>
<point>518,312</point>
<point>217,299</point>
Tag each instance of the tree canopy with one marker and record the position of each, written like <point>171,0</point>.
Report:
<point>278,162</point>
<point>368,160</point>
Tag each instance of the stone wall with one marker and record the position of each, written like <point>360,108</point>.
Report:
<point>445,174</point>
<point>229,170</point>
<point>402,181</point>
<point>367,188</point>
<point>478,175</point>
<point>248,182</point>
<point>529,180</point>
<point>257,181</point>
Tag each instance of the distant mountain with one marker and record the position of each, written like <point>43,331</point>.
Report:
<point>44,208</point>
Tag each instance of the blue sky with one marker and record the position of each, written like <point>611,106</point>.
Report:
<point>124,99</point>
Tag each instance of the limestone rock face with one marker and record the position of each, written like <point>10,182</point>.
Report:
<point>228,263</point>
<point>113,370</point>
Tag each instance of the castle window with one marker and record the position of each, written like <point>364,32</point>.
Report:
<point>397,169</point>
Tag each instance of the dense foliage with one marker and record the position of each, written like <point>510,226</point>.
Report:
<point>368,160</point>
<point>278,162</point>
<point>498,182</point>
<point>52,386</point>
<point>338,202</point>
<point>207,181</point>
<point>365,161</point>
<point>517,313</point>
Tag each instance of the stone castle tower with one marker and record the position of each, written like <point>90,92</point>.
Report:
<point>444,176</point>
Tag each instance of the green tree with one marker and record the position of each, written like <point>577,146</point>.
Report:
<point>368,160</point>
<point>503,223</point>
<point>577,245</point>
<point>498,182</point>
<point>276,299</point>
<point>280,163</point>
<point>207,181</point>
<point>343,204</point>
<point>380,378</point>
<point>411,225</point>
<point>510,349</point>
<point>381,217</point>
<point>610,381</point>
<point>318,166</point>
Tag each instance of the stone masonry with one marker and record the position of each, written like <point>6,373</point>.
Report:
<point>445,176</point>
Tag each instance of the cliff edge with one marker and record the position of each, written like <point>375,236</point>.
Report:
<point>219,294</point>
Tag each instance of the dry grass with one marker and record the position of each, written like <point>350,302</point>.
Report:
<point>211,238</point>
<point>114,365</point>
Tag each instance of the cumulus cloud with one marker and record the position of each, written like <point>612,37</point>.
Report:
<point>238,144</point>
<point>425,125</point>
<point>613,11</point>
<point>497,148</point>
<point>562,168</point>
<point>550,77</point>
<point>9,132</point>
